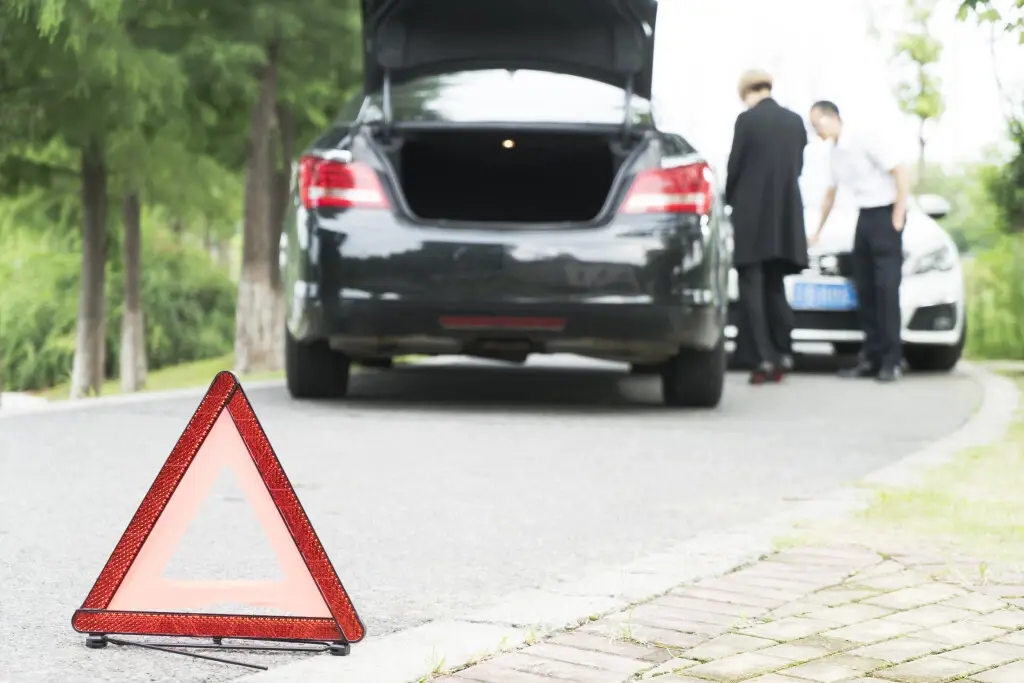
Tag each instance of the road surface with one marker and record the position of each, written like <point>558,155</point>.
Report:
<point>435,489</point>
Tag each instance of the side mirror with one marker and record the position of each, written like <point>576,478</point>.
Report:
<point>934,205</point>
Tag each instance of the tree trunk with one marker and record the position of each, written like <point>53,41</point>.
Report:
<point>178,227</point>
<point>133,329</point>
<point>87,371</point>
<point>282,177</point>
<point>258,332</point>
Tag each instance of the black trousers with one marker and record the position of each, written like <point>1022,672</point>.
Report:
<point>767,323</point>
<point>877,273</point>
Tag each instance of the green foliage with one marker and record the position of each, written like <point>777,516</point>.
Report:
<point>187,299</point>
<point>975,220</point>
<point>1008,14</point>
<point>995,303</point>
<point>1006,186</point>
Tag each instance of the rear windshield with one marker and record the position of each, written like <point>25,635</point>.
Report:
<point>507,97</point>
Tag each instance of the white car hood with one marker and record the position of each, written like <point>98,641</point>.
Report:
<point>920,234</point>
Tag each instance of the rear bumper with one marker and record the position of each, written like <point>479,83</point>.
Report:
<point>638,289</point>
<point>627,332</point>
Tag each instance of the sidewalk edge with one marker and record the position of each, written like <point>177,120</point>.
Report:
<point>525,616</point>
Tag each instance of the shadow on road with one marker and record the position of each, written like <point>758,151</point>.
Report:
<point>492,387</point>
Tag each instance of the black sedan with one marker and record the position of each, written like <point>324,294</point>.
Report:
<point>498,189</point>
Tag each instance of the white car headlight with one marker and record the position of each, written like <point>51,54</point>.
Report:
<point>940,259</point>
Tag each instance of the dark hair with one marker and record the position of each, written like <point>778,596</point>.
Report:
<point>760,87</point>
<point>827,107</point>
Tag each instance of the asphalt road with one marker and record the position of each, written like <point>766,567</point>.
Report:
<point>435,489</point>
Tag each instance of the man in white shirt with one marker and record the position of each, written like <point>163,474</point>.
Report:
<point>878,182</point>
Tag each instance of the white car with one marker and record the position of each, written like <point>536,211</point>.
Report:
<point>932,296</point>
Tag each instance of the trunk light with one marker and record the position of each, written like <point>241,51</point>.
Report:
<point>324,183</point>
<point>683,189</point>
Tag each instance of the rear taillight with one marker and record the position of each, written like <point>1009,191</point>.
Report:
<point>683,189</point>
<point>324,183</point>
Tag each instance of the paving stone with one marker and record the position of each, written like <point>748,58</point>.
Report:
<point>728,596</point>
<point>655,611</point>
<point>790,628</point>
<point>737,585</point>
<point>987,654</point>
<point>930,669</point>
<point>1002,590</point>
<point>770,678</point>
<point>833,669</point>
<point>643,634</point>
<point>1014,638</point>
<point>899,650</point>
<point>909,598</point>
<point>598,660</point>
<point>798,653</point>
<point>892,582</point>
<point>1005,618</point>
<point>796,572</point>
<point>793,609</point>
<point>711,606</point>
<point>677,665</point>
<point>872,631</point>
<point>504,669</point>
<point>976,602</point>
<point>847,615</point>
<point>832,645</point>
<point>1010,673</point>
<point>961,633</point>
<point>489,673</point>
<point>796,587</point>
<point>587,641</point>
<point>738,667</point>
<point>833,597</point>
<point>666,619</point>
<point>880,569</point>
<point>808,557</point>
<point>726,646</point>
<point>931,615</point>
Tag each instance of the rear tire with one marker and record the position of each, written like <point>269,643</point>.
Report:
<point>695,379</point>
<point>314,370</point>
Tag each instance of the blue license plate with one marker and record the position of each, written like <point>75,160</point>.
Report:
<point>808,296</point>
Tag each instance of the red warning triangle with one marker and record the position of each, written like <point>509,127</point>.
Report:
<point>131,596</point>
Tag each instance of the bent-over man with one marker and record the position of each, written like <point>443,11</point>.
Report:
<point>763,189</point>
<point>870,169</point>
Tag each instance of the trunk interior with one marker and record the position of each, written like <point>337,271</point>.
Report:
<point>515,177</point>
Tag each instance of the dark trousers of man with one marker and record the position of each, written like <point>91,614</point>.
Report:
<point>877,272</point>
<point>767,316</point>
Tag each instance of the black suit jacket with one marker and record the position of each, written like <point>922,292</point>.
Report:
<point>763,187</point>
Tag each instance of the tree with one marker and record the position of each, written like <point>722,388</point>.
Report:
<point>920,94</point>
<point>291,63</point>
<point>77,70</point>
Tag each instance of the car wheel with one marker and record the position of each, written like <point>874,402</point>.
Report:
<point>695,379</point>
<point>314,370</point>
<point>930,358</point>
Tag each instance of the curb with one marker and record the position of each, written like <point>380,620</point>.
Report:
<point>123,400</point>
<point>526,616</point>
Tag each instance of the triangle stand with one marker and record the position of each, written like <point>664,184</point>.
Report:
<point>131,598</point>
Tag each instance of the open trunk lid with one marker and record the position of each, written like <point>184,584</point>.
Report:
<point>611,41</point>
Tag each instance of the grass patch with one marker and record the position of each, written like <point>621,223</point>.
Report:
<point>185,376</point>
<point>972,505</point>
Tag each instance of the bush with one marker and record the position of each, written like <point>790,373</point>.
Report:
<point>995,301</point>
<point>188,303</point>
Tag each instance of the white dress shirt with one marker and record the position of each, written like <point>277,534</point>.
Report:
<point>863,166</point>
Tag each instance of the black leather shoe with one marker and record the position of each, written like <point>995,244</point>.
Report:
<point>863,369</point>
<point>786,363</point>
<point>766,373</point>
<point>890,374</point>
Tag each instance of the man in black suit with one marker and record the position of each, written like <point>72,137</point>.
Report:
<point>762,187</point>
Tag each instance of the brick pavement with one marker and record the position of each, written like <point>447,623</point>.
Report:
<point>837,614</point>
